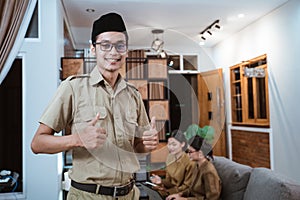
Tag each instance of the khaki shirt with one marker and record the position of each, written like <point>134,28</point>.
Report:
<point>179,173</point>
<point>206,183</point>
<point>122,115</point>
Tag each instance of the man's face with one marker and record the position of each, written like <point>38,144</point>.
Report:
<point>109,51</point>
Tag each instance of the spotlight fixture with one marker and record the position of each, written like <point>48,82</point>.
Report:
<point>207,30</point>
<point>157,44</point>
<point>163,54</point>
<point>218,26</point>
<point>170,63</point>
<point>90,10</point>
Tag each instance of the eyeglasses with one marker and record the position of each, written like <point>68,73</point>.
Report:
<point>121,47</point>
<point>189,151</point>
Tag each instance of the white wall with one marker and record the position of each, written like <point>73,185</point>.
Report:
<point>41,63</point>
<point>277,35</point>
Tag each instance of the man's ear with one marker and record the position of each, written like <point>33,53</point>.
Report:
<point>93,49</point>
<point>182,144</point>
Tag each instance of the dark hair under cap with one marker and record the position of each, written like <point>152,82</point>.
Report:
<point>199,143</point>
<point>180,137</point>
<point>106,23</point>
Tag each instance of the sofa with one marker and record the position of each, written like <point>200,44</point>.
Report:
<point>242,182</point>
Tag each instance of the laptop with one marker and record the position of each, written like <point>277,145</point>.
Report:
<point>153,192</point>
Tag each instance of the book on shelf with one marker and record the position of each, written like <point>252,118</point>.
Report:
<point>156,90</point>
<point>71,66</point>
<point>142,87</point>
<point>160,127</point>
<point>157,68</point>
<point>159,109</point>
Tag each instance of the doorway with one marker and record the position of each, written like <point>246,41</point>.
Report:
<point>11,125</point>
<point>212,107</point>
<point>183,101</point>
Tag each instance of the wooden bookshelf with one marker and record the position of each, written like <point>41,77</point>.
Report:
<point>249,93</point>
<point>150,76</point>
<point>71,66</point>
<point>142,86</point>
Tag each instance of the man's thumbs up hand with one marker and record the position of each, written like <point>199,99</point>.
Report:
<point>150,138</point>
<point>153,123</point>
<point>92,136</point>
<point>94,121</point>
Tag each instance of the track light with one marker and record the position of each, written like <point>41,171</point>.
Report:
<point>208,30</point>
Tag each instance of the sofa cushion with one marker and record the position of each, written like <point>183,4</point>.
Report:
<point>234,177</point>
<point>266,184</point>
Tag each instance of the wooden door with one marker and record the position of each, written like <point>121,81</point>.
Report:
<point>212,108</point>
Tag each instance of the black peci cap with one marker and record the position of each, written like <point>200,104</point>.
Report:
<point>106,23</point>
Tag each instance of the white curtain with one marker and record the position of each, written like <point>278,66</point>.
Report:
<point>15,16</point>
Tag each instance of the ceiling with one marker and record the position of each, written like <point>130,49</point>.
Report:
<point>181,20</point>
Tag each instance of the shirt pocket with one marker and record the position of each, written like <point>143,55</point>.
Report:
<point>86,114</point>
<point>103,118</point>
<point>130,124</point>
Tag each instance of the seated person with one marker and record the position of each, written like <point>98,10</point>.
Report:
<point>206,183</point>
<point>179,168</point>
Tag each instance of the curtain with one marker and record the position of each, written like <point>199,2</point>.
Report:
<point>11,17</point>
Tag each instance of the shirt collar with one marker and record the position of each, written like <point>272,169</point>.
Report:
<point>96,77</point>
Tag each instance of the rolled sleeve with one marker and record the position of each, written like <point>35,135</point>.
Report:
<point>58,113</point>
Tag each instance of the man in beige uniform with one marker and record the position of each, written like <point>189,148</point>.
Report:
<point>107,117</point>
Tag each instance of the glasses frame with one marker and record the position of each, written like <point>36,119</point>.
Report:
<point>111,46</point>
<point>189,151</point>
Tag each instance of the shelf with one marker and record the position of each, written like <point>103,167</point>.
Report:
<point>153,86</point>
<point>183,63</point>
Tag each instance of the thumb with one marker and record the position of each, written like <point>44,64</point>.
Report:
<point>94,121</point>
<point>153,123</point>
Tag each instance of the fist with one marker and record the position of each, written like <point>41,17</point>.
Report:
<point>150,137</point>
<point>93,137</point>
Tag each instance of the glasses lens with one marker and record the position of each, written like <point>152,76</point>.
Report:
<point>121,47</point>
<point>189,151</point>
<point>105,46</point>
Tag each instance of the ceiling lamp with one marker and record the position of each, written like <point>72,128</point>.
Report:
<point>158,43</point>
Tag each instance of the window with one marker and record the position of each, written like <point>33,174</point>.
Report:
<point>33,28</point>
